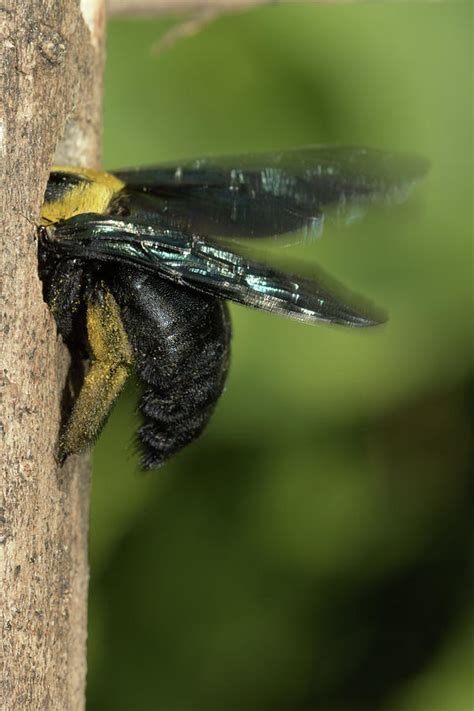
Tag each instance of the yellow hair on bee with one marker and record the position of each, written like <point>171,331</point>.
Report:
<point>93,194</point>
<point>111,361</point>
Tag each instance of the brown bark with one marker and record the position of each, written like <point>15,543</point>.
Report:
<point>51,63</point>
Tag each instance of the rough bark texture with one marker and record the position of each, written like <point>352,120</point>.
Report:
<point>51,64</point>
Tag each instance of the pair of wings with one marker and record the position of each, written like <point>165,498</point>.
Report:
<point>192,223</point>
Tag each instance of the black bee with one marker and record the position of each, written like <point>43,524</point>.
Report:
<point>137,266</point>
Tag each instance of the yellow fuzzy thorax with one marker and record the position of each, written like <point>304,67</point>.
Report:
<point>94,194</point>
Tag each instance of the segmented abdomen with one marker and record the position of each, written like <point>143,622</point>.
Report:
<point>180,338</point>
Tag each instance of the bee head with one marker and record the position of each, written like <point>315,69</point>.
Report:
<point>72,191</point>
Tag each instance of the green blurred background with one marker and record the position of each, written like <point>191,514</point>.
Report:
<point>313,550</point>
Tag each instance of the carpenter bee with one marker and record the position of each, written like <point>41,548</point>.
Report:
<point>137,266</point>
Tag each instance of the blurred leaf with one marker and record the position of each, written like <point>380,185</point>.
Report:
<point>312,550</point>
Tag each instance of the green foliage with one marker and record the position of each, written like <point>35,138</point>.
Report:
<point>312,550</point>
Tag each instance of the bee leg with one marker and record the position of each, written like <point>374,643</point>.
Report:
<point>62,289</point>
<point>111,358</point>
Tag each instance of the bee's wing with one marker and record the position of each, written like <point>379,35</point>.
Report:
<point>212,267</point>
<point>271,194</point>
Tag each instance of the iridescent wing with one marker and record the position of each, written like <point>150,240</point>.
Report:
<point>210,267</point>
<point>181,221</point>
<point>271,194</point>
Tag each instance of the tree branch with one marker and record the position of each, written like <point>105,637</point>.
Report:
<point>52,62</point>
<point>158,8</point>
<point>203,12</point>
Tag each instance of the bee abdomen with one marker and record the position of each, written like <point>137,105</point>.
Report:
<point>159,440</point>
<point>181,341</point>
